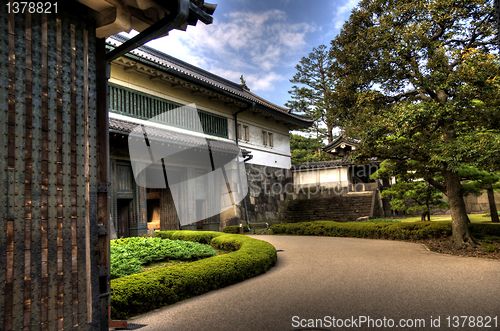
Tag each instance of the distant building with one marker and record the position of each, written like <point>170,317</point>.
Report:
<point>145,83</point>
<point>340,173</point>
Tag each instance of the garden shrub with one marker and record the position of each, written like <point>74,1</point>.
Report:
<point>234,229</point>
<point>481,230</point>
<point>128,255</point>
<point>380,229</point>
<point>141,292</point>
<point>203,237</point>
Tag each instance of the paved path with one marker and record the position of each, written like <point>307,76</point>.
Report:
<point>320,276</point>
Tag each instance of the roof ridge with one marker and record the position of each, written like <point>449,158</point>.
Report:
<point>151,56</point>
<point>287,110</point>
<point>167,57</point>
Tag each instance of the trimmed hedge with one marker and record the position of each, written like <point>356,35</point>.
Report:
<point>142,292</point>
<point>234,229</point>
<point>487,229</point>
<point>379,230</point>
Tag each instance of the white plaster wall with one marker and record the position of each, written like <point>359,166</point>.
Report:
<point>322,177</point>
<point>276,156</point>
<point>269,159</point>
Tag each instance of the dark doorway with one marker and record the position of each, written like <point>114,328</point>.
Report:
<point>124,214</point>
<point>153,209</point>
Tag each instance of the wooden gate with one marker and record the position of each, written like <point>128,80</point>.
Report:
<point>53,172</point>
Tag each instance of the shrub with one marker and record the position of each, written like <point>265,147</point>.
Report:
<point>481,229</point>
<point>380,229</point>
<point>151,289</point>
<point>128,255</point>
<point>489,248</point>
<point>234,229</point>
<point>383,230</point>
<point>203,237</point>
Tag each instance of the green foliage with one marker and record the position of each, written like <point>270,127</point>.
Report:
<point>203,237</point>
<point>142,292</point>
<point>413,197</point>
<point>380,229</point>
<point>409,194</point>
<point>377,230</point>
<point>485,230</point>
<point>313,92</point>
<point>128,255</point>
<point>306,149</point>
<point>489,248</point>
<point>235,229</point>
<point>421,84</point>
<point>477,179</point>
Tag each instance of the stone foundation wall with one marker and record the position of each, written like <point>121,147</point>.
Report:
<point>479,203</point>
<point>340,207</point>
<point>269,190</point>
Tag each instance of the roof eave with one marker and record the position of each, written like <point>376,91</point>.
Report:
<point>295,121</point>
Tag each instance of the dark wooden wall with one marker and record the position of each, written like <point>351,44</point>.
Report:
<point>53,173</point>
<point>124,187</point>
<point>168,213</point>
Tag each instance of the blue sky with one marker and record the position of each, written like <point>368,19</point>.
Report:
<point>261,39</point>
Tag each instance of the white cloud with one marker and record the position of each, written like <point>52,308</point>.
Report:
<point>257,81</point>
<point>263,82</point>
<point>342,13</point>
<point>255,44</point>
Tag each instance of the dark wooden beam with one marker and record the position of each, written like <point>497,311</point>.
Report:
<point>160,28</point>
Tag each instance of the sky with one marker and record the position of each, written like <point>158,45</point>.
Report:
<point>263,40</point>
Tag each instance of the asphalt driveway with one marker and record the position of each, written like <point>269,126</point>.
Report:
<point>344,278</point>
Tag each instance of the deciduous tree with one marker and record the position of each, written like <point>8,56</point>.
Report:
<point>422,81</point>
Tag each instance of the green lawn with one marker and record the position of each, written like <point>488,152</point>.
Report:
<point>474,218</point>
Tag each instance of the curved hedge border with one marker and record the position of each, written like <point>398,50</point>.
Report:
<point>142,292</point>
<point>234,229</point>
<point>379,230</point>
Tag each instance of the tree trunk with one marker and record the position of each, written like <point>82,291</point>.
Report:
<point>493,205</point>
<point>329,133</point>
<point>460,228</point>
<point>428,211</point>
<point>425,216</point>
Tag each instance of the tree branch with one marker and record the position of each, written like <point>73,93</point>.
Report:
<point>435,183</point>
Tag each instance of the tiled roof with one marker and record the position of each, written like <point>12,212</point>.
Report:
<point>321,165</point>
<point>339,140</point>
<point>171,65</point>
<point>183,140</point>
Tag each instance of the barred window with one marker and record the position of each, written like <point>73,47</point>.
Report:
<point>239,132</point>
<point>145,106</point>
<point>246,133</point>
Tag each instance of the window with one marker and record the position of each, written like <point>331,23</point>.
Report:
<point>246,133</point>
<point>267,138</point>
<point>243,132</point>
<point>239,131</point>
<point>144,106</point>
